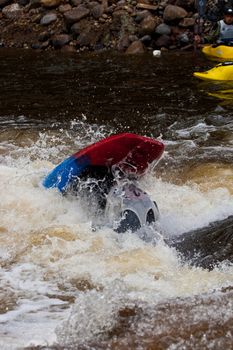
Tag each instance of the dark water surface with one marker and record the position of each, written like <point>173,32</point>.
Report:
<point>65,286</point>
<point>141,93</point>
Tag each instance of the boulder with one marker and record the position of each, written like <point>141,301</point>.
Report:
<point>135,48</point>
<point>48,19</point>
<point>76,14</point>
<point>148,25</point>
<point>12,11</point>
<point>163,29</point>
<point>174,13</point>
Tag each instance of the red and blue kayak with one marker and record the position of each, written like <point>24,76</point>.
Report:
<point>137,151</point>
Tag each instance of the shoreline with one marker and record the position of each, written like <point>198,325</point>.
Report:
<point>126,26</point>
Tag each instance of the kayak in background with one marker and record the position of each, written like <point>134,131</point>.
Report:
<point>221,72</point>
<point>218,52</point>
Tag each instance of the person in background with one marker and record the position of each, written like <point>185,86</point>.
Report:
<point>222,31</point>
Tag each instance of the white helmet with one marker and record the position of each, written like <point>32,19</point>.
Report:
<point>129,208</point>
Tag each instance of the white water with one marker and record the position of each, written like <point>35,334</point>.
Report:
<point>49,251</point>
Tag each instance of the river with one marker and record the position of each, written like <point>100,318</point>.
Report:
<point>64,286</point>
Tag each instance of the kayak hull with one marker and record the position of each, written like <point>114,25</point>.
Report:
<point>219,53</point>
<point>221,72</point>
<point>133,150</point>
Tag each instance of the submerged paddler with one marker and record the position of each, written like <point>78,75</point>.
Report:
<point>222,31</point>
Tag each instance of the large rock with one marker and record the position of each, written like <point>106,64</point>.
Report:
<point>148,25</point>
<point>76,14</point>
<point>48,19</point>
<point>50,3</point>
<point>163,29</point>
<point>208,246</point>
<point>12,11</point>
<point>135,48</point>
<point>173,13</point>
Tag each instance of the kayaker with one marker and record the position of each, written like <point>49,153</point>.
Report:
<point>222,31</point>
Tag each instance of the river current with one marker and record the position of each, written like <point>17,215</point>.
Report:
<point>65,286</point>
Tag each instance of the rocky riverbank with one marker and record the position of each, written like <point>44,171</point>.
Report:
<point>131,26</point>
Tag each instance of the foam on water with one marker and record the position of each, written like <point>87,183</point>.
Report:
<point>57,272</point>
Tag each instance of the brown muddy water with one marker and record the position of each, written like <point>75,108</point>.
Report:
<point>63,286</point>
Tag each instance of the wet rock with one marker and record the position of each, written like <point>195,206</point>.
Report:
<point>60,40</point>
<point>163,41</point>
<point>135,48</point>
<point>173,13</point>
<point>48,19</point>
<point>148,25</point>
<point>64,8</point>
<point>208,246</point>
<point>163,29</point>
<point>76,14</point>
<point>50,3</point>
<point>12,11</point>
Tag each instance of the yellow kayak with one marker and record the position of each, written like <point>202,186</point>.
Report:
<point>223,71</point>
<point>219,52</point>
